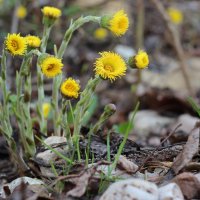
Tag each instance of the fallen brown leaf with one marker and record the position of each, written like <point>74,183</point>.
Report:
<point>30,192</point>
<point>82,181</point>
<point>125,164</point>
<point>81,184</point>
<point>190,149</point>
<point>189,185</point>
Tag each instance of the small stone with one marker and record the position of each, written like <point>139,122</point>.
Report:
<point>15,183</point>
<point>45,158</point>
<point>189,185</point>
<point>170,192</point>
<point>131,189</point>
<point>55,140</point>
<point>149,121</point>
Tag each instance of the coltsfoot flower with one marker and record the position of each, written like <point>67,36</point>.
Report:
<point>21,12</point>
<point>100,33</point>
<point>46,107</point>
<point>176,16</point>
<point>51,66</point>
<point>70,88</point>
<point>33,41</point>
<point>16,44</point>
<point>118,23</point>
<point>140,60</point>
<point>51,12</point>
<point>110,66</point>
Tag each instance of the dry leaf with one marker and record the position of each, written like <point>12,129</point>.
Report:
<point>189,185</point>
<point>189,150</point>
<point>30,192</point>
<point>81,184</point>
<point>126,165</point>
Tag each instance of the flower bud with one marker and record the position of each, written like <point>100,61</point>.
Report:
<point>140,60</point>
<point>110,109</point>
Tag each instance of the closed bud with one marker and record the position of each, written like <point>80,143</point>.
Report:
<point>110,109</point>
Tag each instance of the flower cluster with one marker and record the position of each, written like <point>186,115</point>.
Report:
<point>108,66</point>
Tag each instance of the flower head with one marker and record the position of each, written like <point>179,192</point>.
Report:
<point>46,107</point>
<point>51,12</point>
<point>140,60</point>
<point>118,23</point>
<point>21,12</point>
<point>15,44</point>
<point>110,66</point>
<point>70,88</point>
<point>176,16</point>
<point>33,41</point>
<point>100,33</point>
<point>51,66</point>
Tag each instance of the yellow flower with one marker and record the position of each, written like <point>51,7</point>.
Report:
<point>51,66</point>
<point>15,44</point>
<point>141,59</point>
<point>21,12</point>
<point>119,23</point>
<point>70,88</point>
<point>100,33</point>
<point>51,12</point>
<point>110,66</point>
<point>176,16</point>
<point>46,107</point>
<point>33,41</point>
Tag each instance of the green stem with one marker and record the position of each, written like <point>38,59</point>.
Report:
<point>57,80</point>
<point>27,115</point>
<point>69,161</point>
<point>109,110</point>
<point>5,124</point>
<point>140,31</point>
<point>55,107</point>
<point>65,123</point>
<point>45,37</point>
<point>119,152</point>
<point>5,94</point>
<point>74,26</point>
<point>42,121</point>
<point>71,110</point>
<point>23,106</point>
<point>81,108</point>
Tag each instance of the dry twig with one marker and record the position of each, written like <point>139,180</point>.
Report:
<point>152,153</point>
<point>176,43</point>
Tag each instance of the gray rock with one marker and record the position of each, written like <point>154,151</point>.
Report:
<point>170,192</point>
<point>131,189</point>
<point>12,185</point>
